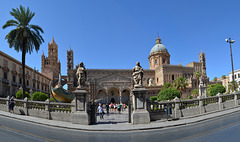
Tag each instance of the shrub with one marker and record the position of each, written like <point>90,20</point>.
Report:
<point>39,96</point>
<point>52,100</point>
<point>168,94</point>
<point>213,89</point>
<point>153,98</point>
<point>195,93</point>
<point>19,94</point>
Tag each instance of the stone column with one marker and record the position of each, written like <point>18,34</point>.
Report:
<point>201,107</point>
<point>7,103</point>
<point>120,97</point>
<point>235,99</point>
<point>80,115</point>
<point>25,105</point>
<point>140,114</point>
<point>177,111</point>
<point>220,101</point>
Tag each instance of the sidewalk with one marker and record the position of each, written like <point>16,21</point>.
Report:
<point>123,126</point>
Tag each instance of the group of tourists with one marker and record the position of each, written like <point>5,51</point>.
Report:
<point>110,107</point>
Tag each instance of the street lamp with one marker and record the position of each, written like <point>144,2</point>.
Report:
<point>230,42</point>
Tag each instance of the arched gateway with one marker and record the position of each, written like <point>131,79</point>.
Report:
<point>108,86</point>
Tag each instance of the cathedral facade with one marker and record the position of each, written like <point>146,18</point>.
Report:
<point>114,85</point>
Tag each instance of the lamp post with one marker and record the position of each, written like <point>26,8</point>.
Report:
<point>230,42</point>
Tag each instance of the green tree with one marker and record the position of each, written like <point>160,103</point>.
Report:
<point>39,96</point>
<point>215,79</point>
<point>153,98</point>
<point>214,89</point>
<point>166,85</point>
<point>195,93</point>
<point>230,86</point>
<point>25,37</point>
<point>19,94</point>
<point>223,76</point>
<point>180,84</point>
<point>168,94</point>
<point>198,74</point>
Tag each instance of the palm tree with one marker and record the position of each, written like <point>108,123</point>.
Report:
<point>230,86</point>
<point>223,76</point>
<point>180,84</point>
<point>25,37</point>
<point>198,75</point>
<point>215,79</point>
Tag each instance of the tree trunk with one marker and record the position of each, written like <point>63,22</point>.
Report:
<point>23,67</point>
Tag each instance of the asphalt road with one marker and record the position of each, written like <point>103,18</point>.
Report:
<point>219,129</point>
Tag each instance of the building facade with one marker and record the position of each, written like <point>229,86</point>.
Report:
<point>114,85</point>
<point>11,77</point>
<point>236,77</point>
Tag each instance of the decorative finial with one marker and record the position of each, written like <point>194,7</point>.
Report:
<point>158,40</point>
<point>52,40</point>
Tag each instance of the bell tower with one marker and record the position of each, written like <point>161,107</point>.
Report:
<point>51,66</point>
<point>70,73</point>
<point>202,60</point>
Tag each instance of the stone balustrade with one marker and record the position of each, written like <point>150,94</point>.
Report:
<point>47,109</point>
<point>157,110</point>
<point>193,107</point>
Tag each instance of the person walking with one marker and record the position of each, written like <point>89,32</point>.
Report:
<point>107,108</point>
<point>100,110</point>
<point>11,104</point>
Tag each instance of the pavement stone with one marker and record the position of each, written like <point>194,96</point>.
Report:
<point>109,122</point>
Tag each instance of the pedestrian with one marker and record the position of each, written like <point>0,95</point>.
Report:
<point>119,108</point>
<point>107,108</point>
<point>100,110</point>
<point>11,104</point>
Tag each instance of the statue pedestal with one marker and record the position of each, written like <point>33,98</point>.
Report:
<point>80,115</point>
<point>140,114</point>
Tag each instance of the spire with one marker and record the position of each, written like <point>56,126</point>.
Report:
<point>52,41</point>
<point>70,48</point>
<point>158,40</point>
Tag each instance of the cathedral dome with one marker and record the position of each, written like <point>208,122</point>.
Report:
<point>158,48</point>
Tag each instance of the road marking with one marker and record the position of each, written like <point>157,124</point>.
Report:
<point>206,132</point>
<point>30,134</point>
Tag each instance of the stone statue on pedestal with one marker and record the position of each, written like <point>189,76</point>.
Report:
<point>150,82</point>
<point>137,75</point>
<point>202,89</point>
<point>81,76</point>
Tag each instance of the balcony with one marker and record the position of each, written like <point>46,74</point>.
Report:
<point>14,83</point>
<point>28,87</point>
<point>5,81</point>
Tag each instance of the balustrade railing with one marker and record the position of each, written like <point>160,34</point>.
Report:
<point>61,107</point>
<point>159,106</point>
<point>227,97</point>
<point>189,103</point>
<point>210,100</point>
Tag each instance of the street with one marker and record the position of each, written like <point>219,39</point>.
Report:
<point>219,129</point>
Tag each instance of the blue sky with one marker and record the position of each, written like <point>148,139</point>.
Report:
<point>115,34</point>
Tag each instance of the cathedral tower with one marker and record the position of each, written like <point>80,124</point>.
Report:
<point>202,60</point>
<point>70,79</point>
<point>158,55</point>
<point>51,66</point>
